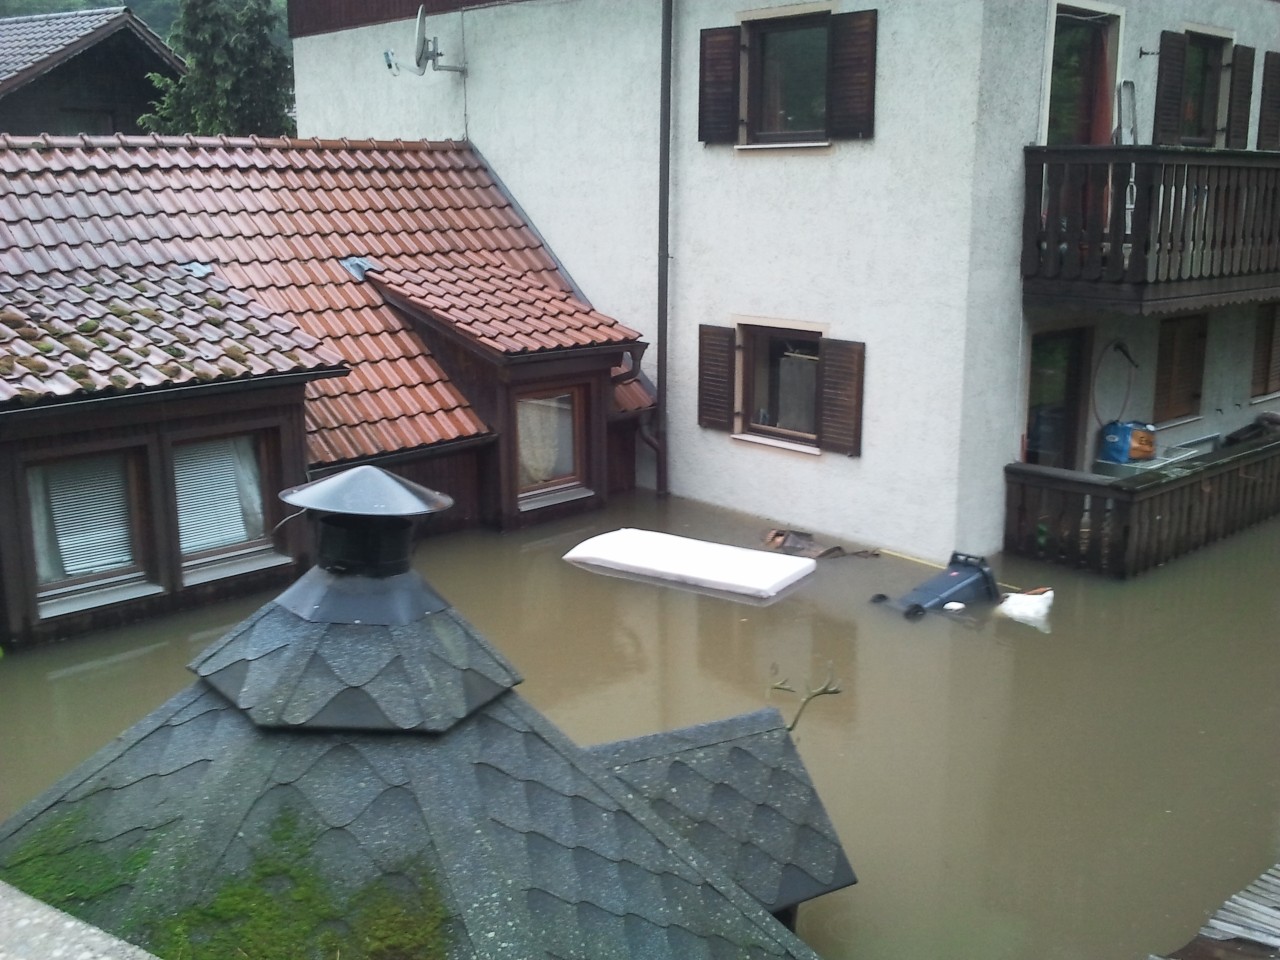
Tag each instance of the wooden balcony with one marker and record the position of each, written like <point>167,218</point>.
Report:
<point>1143,230</point>
<point>1122,527</point>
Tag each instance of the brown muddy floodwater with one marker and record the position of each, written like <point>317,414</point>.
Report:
<point>1090,794</point>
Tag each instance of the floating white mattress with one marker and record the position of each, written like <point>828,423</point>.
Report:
<point>695,563</point>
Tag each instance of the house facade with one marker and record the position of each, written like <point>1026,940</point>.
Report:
<point>897,248</point>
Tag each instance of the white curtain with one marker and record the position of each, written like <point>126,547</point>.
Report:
<point>544,432</point>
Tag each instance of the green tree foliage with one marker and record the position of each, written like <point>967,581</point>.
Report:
<point>159,15</point>
<point>238,81</point>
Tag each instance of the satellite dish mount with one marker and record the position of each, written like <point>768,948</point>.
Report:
<point>424,52</point>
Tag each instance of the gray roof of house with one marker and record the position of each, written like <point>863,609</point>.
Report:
<point>739,792</point>
<point>33,45</point>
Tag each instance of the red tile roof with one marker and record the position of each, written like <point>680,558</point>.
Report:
<point>33,45</point>
<point>500,307</point>
<point>116,331</point>
<point>274,218</point>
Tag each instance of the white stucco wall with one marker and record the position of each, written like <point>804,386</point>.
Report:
<point>909,241</point>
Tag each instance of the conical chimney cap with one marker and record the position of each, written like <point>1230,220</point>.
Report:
<point>367,491</point>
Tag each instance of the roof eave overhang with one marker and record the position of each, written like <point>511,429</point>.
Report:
<point>57,406</point>
<point>488,354</point>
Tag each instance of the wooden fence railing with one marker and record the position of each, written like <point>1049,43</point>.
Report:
<point>1124,526</point>
<point>1143,215</point>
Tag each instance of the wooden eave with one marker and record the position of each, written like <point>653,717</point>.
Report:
<point>1149,299</point>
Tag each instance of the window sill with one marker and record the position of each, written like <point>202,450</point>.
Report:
<point>796,145</point>
<point>1264,398</point>
<point>780,444</point>
<point>536,501</point>
<point>89,598</point>
<point>1178,422</point>
<point>232,565</point>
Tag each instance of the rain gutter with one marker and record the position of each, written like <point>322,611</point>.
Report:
<point>664,249</point>
<point>151,395</point>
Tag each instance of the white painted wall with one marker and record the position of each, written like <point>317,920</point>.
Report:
<point>908,242</point>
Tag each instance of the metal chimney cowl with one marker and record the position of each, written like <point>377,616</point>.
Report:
<point>364,572</point>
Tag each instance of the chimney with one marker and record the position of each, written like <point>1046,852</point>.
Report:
<point>364,573</point>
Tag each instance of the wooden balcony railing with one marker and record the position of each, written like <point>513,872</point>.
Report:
<point>1130,227</point>
<point>1124,526</point>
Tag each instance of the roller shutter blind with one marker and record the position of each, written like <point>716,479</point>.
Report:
<point>88,513</point>
<point>215,485</point>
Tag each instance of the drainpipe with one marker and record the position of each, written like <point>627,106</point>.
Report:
<point>664,251</point>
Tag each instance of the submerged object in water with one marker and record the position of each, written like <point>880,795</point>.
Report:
<point>1030,607</point>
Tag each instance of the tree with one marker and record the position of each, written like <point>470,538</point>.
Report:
<point>238,82</point>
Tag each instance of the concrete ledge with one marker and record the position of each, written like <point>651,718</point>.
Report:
<point>31,930</point>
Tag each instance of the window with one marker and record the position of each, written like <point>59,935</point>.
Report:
<point>796,385</point>
<point>1179,367</point>
<point>1266,352</point>
<point>1082,78</point>
<point>1189,91</point>
<point>218,493</point>
<point>809,79</point>
<point>548,428</point>
<point>83,519</point>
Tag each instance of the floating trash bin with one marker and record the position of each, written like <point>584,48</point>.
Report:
<point>967,579</point>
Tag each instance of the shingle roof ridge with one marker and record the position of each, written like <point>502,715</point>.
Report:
<point>66,14</point>
<point>668,742</point>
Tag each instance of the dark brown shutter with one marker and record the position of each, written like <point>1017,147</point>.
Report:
<point>1266,353</point>
<point>1179,367</point>
<point>1269,108</point>
<point>718,67</point>
<point>1241,98</point>
<point>851,79</point>
<point>1167,129</point>
<point>840,372</point>
<point>716,351</point>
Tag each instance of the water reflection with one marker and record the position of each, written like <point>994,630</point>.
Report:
<point>1003,793</point>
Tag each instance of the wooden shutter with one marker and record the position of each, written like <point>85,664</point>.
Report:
<point>1167,129</point>
<point>840,372</point>
<point>1179,367</point>
<point>851,76</point>
<point>1269,108</point>
<point>719,66</point>
<point>1266,353</point>
<point>1241,98</point>
<point>716,377</point>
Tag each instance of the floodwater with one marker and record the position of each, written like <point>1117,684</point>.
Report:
<point>1004,794</point>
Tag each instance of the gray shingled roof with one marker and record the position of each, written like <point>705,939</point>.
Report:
<point>33,45</point>
<point>326,761</point>
<point>738,790</point>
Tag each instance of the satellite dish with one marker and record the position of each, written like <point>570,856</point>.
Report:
<point>420,42</point>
